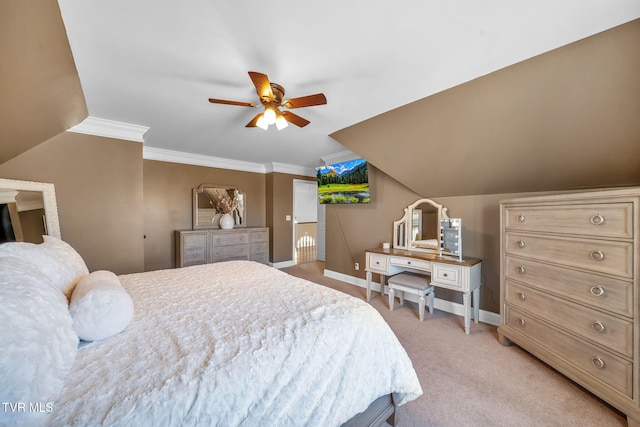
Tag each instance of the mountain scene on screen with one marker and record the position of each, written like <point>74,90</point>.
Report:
<point>344,183</point>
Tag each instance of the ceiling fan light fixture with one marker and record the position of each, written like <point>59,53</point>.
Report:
<point>281,122</point>
<point>269,115</point>
<point>262,123</point>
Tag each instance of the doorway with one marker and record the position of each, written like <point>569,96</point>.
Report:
<point>308,242</point>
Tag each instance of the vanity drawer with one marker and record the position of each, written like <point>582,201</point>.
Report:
<point>609,369</point>
<point>232,238</point>
<point>229,252</point>
<point>597,255</point>
<point>613,220</point>
<point>601,292</point>
<point>446,274</point>
<point>377,263</point>
<point>418,264</point>
<point>604,329</point>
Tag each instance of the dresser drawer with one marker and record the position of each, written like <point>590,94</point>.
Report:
<point>193,256</point>
<point>229,252</point>
<point>259,236</point>
<point>259,248</point>
<point>194,240</point>
<point>232,238</point>
<point>411,263</point>
<point>261,257</point>
<point>377,263</point>
<point>609,369</point>
<point>609,331</point>
<point>602,292</point>
<point>613,220</point>
<point>448,275</point>
<point>597,255</point>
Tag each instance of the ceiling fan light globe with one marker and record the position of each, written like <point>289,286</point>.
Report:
<point>262,123</point>
<point>269,115</point>
<point>281,123</point>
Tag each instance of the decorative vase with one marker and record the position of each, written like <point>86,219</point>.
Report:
<point>227,222</point>
<point>215,221</point>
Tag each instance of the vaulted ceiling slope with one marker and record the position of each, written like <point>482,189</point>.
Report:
<point>155,63</point>
<point>566,119</point>
<point>41,95</point>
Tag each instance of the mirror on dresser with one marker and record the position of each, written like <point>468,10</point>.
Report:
<point>27,211</point>
<point>426,227</point>
<point>210,201</point>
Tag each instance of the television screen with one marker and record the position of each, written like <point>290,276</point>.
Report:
<point>346,182</point>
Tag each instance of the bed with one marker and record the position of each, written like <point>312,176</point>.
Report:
<point>228,344</point>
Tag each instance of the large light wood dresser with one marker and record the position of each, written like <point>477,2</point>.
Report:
<point>205,246</point>
<point>569,288</point>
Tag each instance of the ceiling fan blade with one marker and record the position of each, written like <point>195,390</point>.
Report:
<point>254,121</point>
<point>263,87</point>
<point>224,101</point>
<point>295,119</point>
<point>306,101</point>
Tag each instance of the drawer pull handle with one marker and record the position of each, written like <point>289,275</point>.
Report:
<point>598,326</point>
<point>597,362</point>
<point>522,296</point>
<point>445,275</point>
<point>521,244</point>
<point>597,219</point>
<point>597,255</point>
<point>521,269</point>
<point>520,218</point>
<point>597,291</point>
<point>521,322</point>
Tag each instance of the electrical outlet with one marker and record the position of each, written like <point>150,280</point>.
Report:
<point>357,266</point>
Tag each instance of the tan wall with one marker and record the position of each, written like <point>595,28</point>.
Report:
<point>279,205</point>
<point>41,92</point>
<point>352,229</point>
<point>563,120</point>
<point>168,203</point>
<point>98,183</point>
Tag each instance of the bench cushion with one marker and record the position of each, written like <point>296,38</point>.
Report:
<point>412,280</point>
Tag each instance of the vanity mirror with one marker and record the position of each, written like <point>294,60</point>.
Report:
<point>210,201</point>
<point>29,210</point>
<point>426,227</point>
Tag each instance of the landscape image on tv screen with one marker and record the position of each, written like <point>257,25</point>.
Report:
<point>344,183</point>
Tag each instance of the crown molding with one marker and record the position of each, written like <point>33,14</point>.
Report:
<point>342,156</point>
<point>290,169</point>
<point>110,129</point>
<point>171,156</point>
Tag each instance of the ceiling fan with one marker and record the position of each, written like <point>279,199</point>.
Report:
<point>271,97</point>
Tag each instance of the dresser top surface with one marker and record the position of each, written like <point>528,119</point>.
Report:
<point>466,261</point>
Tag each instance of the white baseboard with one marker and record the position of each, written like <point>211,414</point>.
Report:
<point>283,264</point>
<point>440,304</point>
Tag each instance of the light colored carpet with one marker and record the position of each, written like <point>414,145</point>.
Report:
<point>472,380</point>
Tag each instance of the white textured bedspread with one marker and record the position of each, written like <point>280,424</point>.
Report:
<point>236,344</point>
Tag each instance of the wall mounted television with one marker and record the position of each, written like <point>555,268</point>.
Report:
<point>344,183</point>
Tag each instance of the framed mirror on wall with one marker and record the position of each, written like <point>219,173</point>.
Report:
<point>426,227</point>
<point>27,211</point>
<point>211,201</point>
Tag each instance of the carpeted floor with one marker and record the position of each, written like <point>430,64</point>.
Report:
<point>472,380</point>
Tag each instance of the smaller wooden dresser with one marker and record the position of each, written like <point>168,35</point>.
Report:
<point>205,246</point>
<point>569,288</point>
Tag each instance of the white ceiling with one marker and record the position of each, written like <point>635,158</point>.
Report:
<point>155,63</point>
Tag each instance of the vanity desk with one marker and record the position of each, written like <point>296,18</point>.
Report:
<point>427,241</point>
<point>461,276</point>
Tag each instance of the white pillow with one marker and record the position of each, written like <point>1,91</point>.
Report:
<point>65,252</point>
<point>100,307</point>
<point>39,256</point>
<point>37,343</point>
